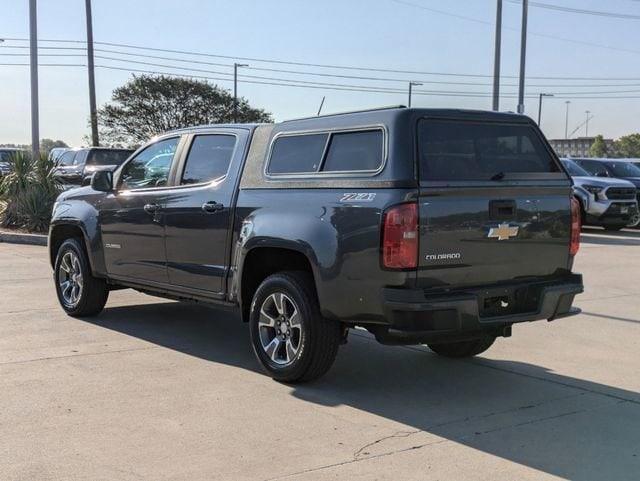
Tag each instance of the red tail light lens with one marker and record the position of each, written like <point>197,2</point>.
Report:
<point>574,245</point>
<point>400,237</point>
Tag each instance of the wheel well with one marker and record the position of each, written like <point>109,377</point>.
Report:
<point>59,234</point>
<point>260,263</point>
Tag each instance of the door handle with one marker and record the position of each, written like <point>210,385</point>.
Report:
<point>212,206</point>
<point>151,208</point>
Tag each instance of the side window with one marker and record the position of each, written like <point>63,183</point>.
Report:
<point>80,158</point>
<point>354,151</point>
<point>150,168</point>
<point>293,154</point>
<point>67,158</point>
<point>208,158</point>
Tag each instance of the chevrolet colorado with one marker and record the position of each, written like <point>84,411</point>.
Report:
<point>443,227</point>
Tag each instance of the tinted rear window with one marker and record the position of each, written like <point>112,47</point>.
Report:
<point>107,157</point>
<point>459,150</point>
<point>208,158</point>
<point>293,154</point>
<point>354,151</point>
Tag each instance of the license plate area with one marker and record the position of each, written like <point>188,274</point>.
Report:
<point>505,301</point>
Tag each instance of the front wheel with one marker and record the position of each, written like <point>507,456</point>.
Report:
<point>80,294</point>
<point>289,336</point>
<point>462,349</point>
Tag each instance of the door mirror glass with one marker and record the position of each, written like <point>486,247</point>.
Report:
<point>102,181</point>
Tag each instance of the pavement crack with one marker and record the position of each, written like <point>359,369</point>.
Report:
<point>50,358</point>
<point>398,434</point>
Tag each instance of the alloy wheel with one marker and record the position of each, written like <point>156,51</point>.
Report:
<point>280,329</point>
<point>70,278</point>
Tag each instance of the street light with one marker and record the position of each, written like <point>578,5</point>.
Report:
<point>566,120</point>
<point>540,105</point>
<point>235,89</point>
<point>411,85</point>
<point>586,124</point>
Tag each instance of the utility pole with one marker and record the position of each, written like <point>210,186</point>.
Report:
<point>540,106</point>
<point>235,89</point>
<point>93,112</point>
<point>586,125</point>
<point>411,85</point>
<point>33,49</point>
<point>566,120</point>
<point>496,60</point>
<point>523,55</point>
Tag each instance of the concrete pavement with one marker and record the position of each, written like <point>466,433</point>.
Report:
<point>160,390</point>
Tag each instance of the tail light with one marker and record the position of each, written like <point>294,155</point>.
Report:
<point>574,245</point>
<point>400,237</point>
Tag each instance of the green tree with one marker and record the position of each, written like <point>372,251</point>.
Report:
<point>148,105</point>
<point>47,144</point>
<point>598,148</point>
<point>628,146</point>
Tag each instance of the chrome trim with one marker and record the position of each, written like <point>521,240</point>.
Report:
<point>334,173</point>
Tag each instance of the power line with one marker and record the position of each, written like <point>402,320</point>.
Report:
<point>580,11</point>
<point>328,66</point>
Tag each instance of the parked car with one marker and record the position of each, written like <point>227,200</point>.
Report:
<point>6,159</point>
<point>611,168</point>
<point>610,203</point>
<point>443,227</point>
<point>76,166</point>
<point>56,152</point>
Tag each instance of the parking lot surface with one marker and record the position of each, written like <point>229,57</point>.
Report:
<point>157,390</point>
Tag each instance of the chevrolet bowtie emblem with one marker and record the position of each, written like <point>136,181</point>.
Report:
<point>503,232</point>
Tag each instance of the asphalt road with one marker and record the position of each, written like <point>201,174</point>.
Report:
<point>159,390</point>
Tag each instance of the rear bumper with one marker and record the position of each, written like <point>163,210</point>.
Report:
<point>414,316</point>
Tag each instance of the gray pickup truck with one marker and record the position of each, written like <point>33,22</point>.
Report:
<point>443,227</point>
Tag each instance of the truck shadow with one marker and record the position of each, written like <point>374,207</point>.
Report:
<point>524,413</point>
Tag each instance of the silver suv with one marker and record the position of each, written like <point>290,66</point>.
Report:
<point>607,202</point>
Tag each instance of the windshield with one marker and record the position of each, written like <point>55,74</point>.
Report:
<point>574,169</point>
<point>6,155</point>
<point>466,150</point>
<point>107,156</point>
<point>623,169</point>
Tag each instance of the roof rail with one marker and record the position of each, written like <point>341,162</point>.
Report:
<point>375,109</point>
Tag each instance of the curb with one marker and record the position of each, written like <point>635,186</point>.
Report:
<point>21,238</point>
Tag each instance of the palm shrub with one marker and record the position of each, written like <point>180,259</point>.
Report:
<point>27,193</point>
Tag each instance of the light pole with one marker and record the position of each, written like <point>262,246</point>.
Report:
<point>523,55</point>
<point>586,124</point>
<point>496,60</point>
<point>540,106</point>
<point>33,49</point>
<point>566,120</point>
<point>235,89</point>
<point>93,113</point>
<point>411,85</point>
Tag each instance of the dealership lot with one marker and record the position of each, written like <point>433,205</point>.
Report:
<point>153,389</point>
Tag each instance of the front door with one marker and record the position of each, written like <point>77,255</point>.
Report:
<point>198,211</point>
<point>132,218</point>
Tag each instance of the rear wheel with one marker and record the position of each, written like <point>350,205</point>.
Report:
<point>289,336</point>
<point>462,349</point>
<point>80,294</point>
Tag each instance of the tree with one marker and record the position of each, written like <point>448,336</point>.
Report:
<point>148,105</point>
<point>628,146</point>
<point>598,148</point>
<point>47,144</point>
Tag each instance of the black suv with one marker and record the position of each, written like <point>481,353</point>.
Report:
<point>76,166</point>
<point>443,227</point>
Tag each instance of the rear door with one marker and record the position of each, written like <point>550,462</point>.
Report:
<point>494,203</point>
<point>198,211</point>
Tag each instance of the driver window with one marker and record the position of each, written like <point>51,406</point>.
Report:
<point>151,167</point>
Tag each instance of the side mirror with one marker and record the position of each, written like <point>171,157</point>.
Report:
<point>602,173</point>
<point>102,181</point>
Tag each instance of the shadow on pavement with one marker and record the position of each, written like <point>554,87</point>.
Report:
<point>523,413</point>
<point>614,318</point>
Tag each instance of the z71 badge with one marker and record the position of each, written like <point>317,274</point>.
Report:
<point>358,197</point>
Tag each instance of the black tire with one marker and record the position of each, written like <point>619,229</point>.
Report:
<point>614,228</point>
<point>94,291</point>
<point>463,349</point>
<point>317,338</point>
